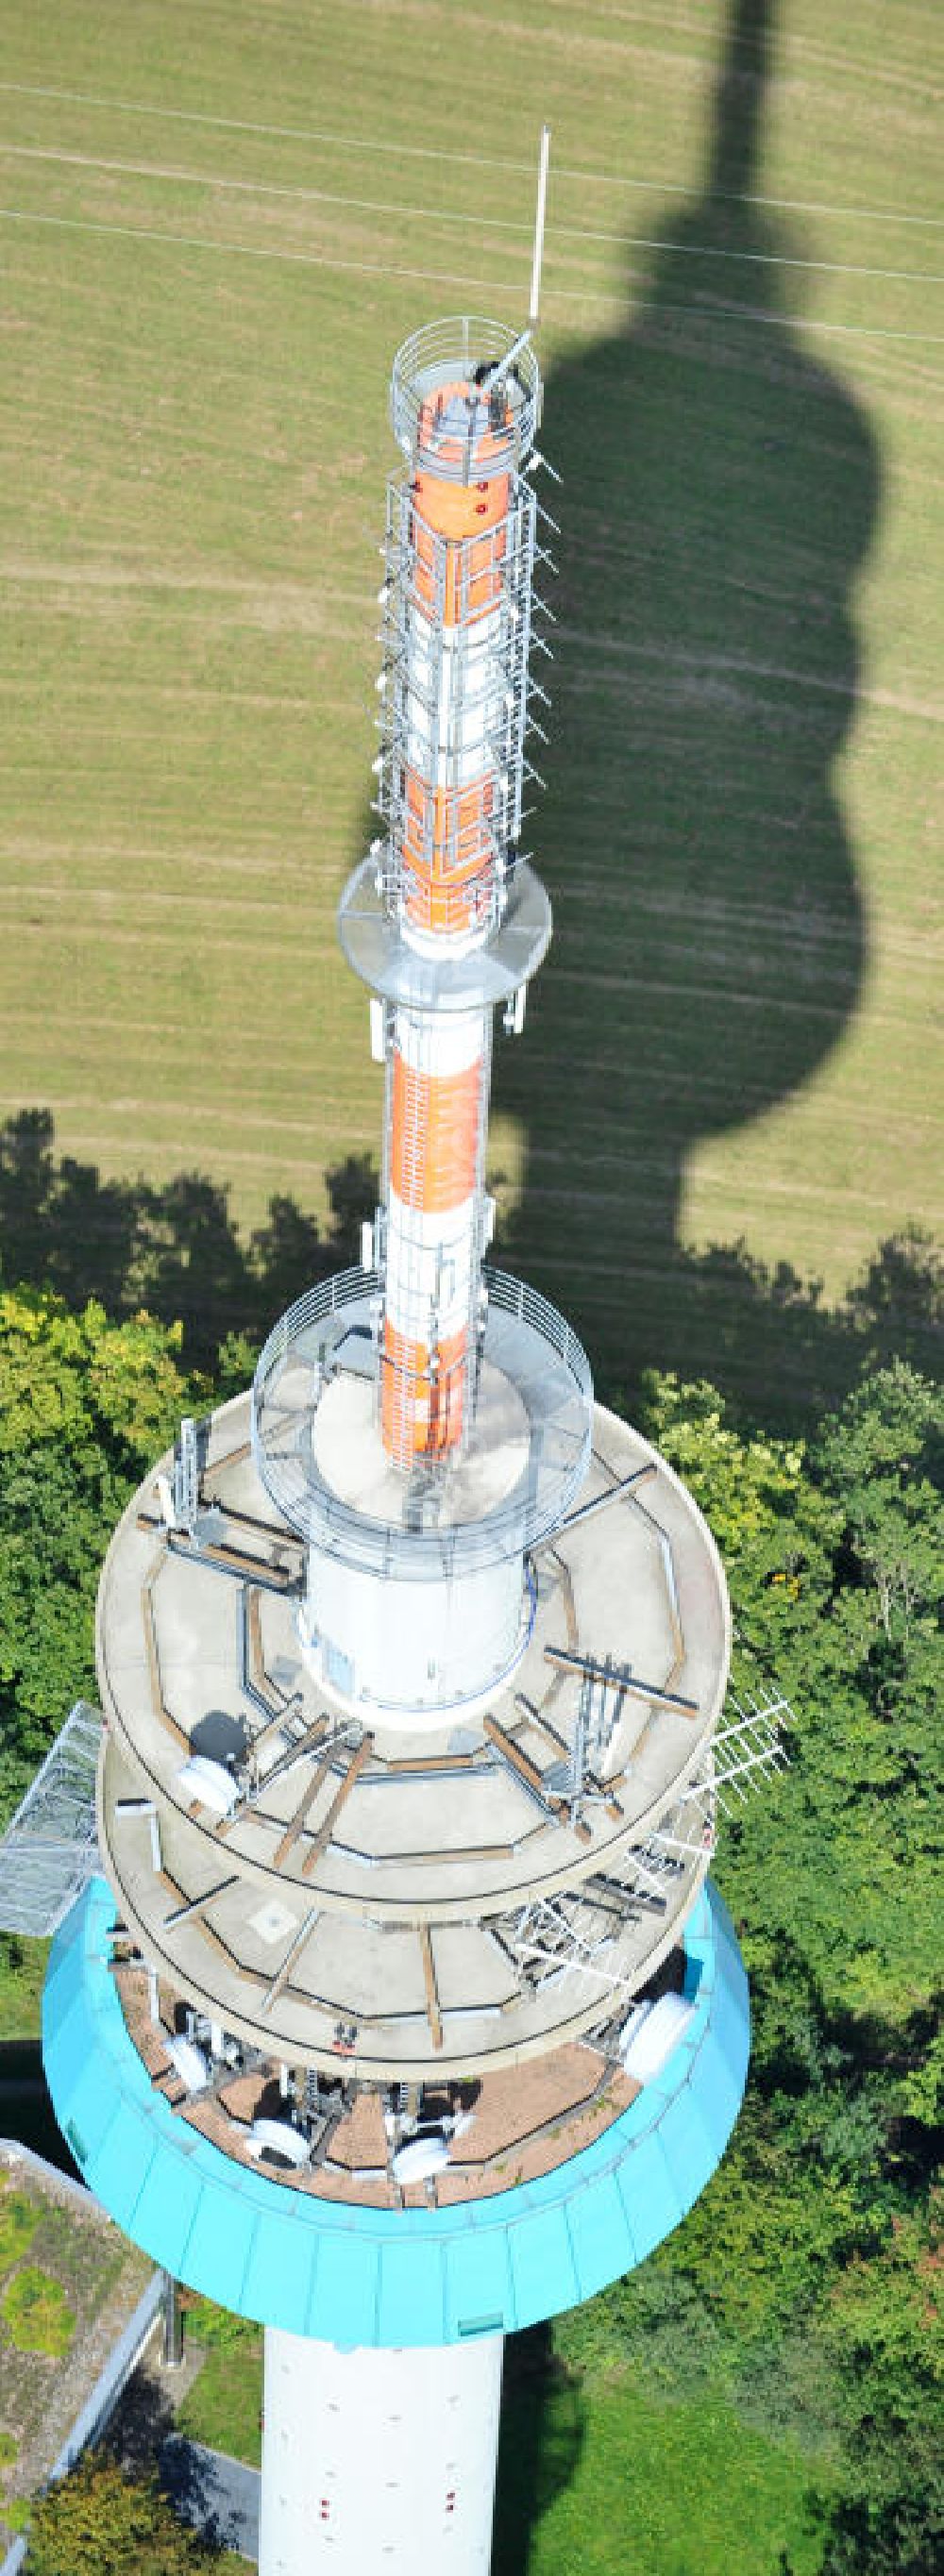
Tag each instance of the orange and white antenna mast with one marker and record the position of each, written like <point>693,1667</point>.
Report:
<point>460,921</point>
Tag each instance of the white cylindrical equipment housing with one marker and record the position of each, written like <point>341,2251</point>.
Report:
<point>375,2459</point>
<point>412,1652</point>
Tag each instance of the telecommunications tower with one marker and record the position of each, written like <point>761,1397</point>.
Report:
<point>404,2013</point>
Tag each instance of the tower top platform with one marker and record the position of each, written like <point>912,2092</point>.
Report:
<point>468,393</point>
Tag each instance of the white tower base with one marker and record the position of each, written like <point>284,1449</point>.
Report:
<point>373,2459</point>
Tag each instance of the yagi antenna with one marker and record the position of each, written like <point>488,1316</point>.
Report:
<point>543,158</point>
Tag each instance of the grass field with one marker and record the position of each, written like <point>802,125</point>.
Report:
<point>217,224</point>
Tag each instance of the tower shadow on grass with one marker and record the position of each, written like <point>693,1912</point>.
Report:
<point>173,1248</point>
<point>721,489</point>
<point>542,2436</point>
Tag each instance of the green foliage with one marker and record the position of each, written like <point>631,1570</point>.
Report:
<point>98,2522</point>
<point>22,1975</point>
<point>85,1405</point>
<point>9,2447</point>
<point>220,2329</point>
<point>803,2285</point>
<point>19,2220</point>
<point>36,2312</point>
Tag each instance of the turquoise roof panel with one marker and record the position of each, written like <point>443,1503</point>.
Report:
<point>345,2292</point>
<point>165,2210</point>
<point>719,2078</point>
<point>352,2274</point>
<point>688,2139</point>
<point>649,2190</point>
<point>412,2286</point>
<point>479,2288</point>
<point>542,2261</point>
<point>280,2272</point>
<point>598,2225</point>
<point>121,2165</point>
<point>218,2250</point>
<point>94,2106</point>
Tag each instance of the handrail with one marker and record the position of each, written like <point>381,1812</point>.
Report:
<point>526,1340</point>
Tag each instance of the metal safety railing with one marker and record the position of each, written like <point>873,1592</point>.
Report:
<point>461,350</point>
<point>524,1339</point>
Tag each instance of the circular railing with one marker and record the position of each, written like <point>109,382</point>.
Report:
<point>458,351</point>
<point>335,1326</point>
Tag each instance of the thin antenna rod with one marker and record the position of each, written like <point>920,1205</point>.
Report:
<point>539,226</point>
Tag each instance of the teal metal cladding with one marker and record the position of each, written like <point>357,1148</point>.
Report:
<point>371,2276</point>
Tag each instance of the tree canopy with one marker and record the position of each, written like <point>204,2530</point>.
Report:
<point>805,2281</point>
<point>101,2522</point>
<point>85,1405</point>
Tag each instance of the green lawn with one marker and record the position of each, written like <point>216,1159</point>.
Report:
<point>619,2483</point>
<point>217,225</point>
<point>22,1972</point>
<point>224,2405</point>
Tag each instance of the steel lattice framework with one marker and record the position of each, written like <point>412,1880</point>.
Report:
<point>49,1851</point>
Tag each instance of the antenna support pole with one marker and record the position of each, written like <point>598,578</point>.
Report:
<point>543,158</point>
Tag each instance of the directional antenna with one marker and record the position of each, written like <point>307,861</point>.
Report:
<point>749,1747</point>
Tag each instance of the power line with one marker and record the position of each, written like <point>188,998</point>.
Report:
<point>446,215</point>
<point>467,160</point>
<point>445,277</point>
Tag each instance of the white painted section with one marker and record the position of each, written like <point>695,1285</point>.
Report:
<point>429,1270</point>
<point>378,1035</point>
<point>411,1650</point>
<point>377,2460</point>
<point>543,158</point>
<point>439,1043</point>
<point>429,1229</point>
<point>456,680</point>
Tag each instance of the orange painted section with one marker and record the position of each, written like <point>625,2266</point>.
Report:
<point>447,851</point>
<point>434,1136</point>
<point>420,1407</point>
<point>460,514</point>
